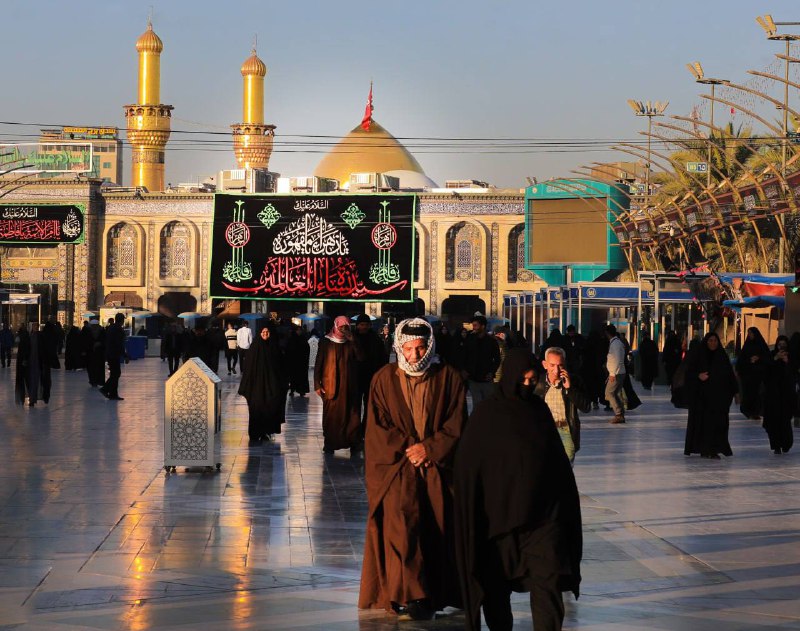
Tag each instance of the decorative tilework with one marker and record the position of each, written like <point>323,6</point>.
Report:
<point>459,209</point>
<point>433,269</point>
<point>189,429</point>
<point>495,245</point>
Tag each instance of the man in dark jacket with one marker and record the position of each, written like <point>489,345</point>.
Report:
<point>564,394</point>
<point>481,360</point>
<point>115,351</point>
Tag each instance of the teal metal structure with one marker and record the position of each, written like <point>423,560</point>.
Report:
<point>567,271</point>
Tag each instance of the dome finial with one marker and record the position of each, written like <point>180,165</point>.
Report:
<point>149,41</point>
<point>255,44</point>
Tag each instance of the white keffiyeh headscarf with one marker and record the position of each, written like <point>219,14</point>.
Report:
<point>401,336</point>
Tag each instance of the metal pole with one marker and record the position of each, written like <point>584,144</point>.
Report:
<point>647,172</point>
<point>784,148</point>
<point>710,137</point>
<point>639,294</point>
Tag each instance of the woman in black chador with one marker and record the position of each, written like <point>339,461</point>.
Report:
<point>264,385</point>
<point>780,398</point>
<point>297,356</point>
<point>28,368</point>
<point>73,360</point>
<point>517,511</point>
<point>711,385</point>
<point>751,365</point>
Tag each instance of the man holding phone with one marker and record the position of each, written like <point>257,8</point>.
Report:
<point>564,395</point>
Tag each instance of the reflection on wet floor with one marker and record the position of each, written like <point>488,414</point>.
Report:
<point>94,534</point>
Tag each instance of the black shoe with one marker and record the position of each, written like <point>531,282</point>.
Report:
<point>327,450</point>
<point>234,371</point>
<point>117,398</point>
<point>777,452</point>
<point>634,406</point>
<point>608,408</point>
<point>420,610</point>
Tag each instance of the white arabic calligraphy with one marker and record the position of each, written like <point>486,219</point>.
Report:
<point>72,225</point>
<point>311,235</point>
<point>20,213</point>
<point>311,204</point>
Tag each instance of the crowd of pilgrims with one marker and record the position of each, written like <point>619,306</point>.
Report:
<point>700,375</point>
<point>461,512</point>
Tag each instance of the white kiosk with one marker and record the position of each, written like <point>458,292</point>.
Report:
<point>192,417</point>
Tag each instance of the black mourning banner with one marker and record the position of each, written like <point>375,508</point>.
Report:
<point>314,247</point>
<point>41,223</point>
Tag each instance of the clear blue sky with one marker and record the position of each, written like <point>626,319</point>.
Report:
<point>449,68</point>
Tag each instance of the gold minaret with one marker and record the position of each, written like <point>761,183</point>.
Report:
<point>252,139</point>
<point>148,120</point>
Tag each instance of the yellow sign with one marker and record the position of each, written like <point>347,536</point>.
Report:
<point>91,132</point>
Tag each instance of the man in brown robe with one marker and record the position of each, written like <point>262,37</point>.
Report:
<point>416,412</point>
<point>336,381</point>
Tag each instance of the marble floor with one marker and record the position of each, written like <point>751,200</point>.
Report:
<point>94,534</point>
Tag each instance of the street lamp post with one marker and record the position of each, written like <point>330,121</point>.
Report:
<point>699,76</point>
<point>771,29</point>
<point>649,110</point>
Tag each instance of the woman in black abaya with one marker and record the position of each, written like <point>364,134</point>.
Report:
<point>517,512</point>
<point>28,369</point>
<point>751,365</point>
<point>297,356</point>
<point>264,385</point>
<point>711,385</point>
<point>780,397</point>
<point>73,359</point>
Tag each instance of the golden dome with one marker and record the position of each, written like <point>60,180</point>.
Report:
<point>149,41</point>
<point>362,151</point>
<point>254,66</point>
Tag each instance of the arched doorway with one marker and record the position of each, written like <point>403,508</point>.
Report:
<point>397,311</point>
<point>174,302</point>
<point>458,309</point>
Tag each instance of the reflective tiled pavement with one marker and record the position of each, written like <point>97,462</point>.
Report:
<point>94,535</point>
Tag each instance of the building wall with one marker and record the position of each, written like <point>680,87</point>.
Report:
<point>148,215</point>
<point>84,269</point>
<point>71,268</point>
<point>493,216</point>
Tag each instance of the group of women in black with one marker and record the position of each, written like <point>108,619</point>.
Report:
<point>767,381</point>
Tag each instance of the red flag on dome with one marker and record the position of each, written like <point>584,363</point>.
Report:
<point>365,122</point>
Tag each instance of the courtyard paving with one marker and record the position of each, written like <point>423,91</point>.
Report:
<point>94,534</point>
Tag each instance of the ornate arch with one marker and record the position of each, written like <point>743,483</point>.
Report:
<point>122,248</point>
<point>516,256</point>
<point>463,253</point>
<point>175,252</point>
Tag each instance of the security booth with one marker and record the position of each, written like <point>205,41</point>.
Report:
<point>192,417</point>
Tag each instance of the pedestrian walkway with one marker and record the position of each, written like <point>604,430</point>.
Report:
<point>94,534</point>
